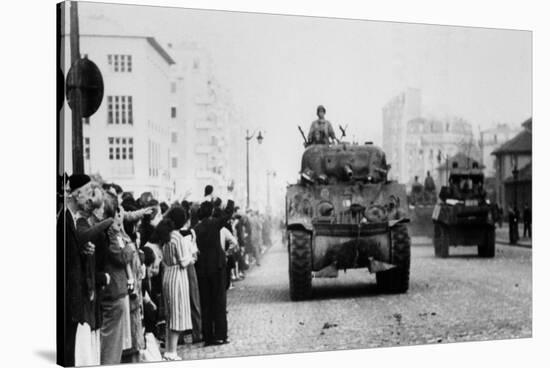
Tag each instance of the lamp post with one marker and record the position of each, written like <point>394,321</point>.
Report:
<point>248,137</point>
<point>515,174</point>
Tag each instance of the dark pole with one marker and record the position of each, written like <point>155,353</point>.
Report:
<point>247,172</point>
<point>78,158</point>
<point>515,174</point>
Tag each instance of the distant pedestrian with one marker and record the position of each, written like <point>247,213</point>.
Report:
<point>527,222</point>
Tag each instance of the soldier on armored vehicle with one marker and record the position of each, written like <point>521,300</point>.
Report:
<point>321,131</point>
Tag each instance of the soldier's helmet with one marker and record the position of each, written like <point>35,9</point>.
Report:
<point>321,107</point>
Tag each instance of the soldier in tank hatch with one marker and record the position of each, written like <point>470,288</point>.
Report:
<point>321,131</point>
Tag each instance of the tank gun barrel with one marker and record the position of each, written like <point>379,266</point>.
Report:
<point>348,171</point>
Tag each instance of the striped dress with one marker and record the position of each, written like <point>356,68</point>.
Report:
<point>175,284</point>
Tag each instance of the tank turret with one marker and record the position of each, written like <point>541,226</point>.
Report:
<point>344,162</point>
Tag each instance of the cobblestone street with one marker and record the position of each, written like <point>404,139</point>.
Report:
<point>462,298</point>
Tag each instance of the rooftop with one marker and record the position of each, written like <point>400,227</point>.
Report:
<point>521,143</point>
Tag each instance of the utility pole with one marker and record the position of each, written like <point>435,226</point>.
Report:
<point>78,158</point>
<point>247,170</point>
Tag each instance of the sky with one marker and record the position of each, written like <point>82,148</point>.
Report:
<point>277,69</point>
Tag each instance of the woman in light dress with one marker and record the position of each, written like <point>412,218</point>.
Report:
<point>177,255</point>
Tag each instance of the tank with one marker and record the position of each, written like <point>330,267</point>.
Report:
<point>463,215</point>
<point>343,213</point>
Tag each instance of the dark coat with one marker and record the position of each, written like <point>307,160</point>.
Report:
<point>72,284</point>
<point>94,278</point>
<point>114,261</point>
<point>211,256</point>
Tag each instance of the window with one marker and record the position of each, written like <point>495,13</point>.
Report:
<point>130,112</point>
<point>121,148</point>
<point>120,63</point>
<point>129,61</point>
<point>109,109</point>
<point>154,158</point>
<point>86,121</point>
<point>196,64</point>
<point>173,87</point>
<point>174,162</point>
<point>119,111</point>
<point>123,108</point>
<point>173,112</point>
<point>174,137</point>
<point>86,148</point>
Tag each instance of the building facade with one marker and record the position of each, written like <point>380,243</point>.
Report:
<point>127,140</point>
<point>490,140</point>
<point>429,142</point>
<point>204,126</point>
<point>395,115</point>
<point>415,144</point>
<point>515,156</point>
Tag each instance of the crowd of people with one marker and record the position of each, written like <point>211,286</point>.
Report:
<point>139,275</point>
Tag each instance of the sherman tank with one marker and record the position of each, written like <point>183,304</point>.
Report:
<point>463,214</point>
<point>344,213</point>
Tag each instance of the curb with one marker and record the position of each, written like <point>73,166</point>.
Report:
<point>519,245</point>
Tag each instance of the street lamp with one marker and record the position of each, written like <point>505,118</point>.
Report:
<point>515,174</point>
<point>248,137</point>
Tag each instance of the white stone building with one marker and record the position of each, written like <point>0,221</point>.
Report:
<point>395,115</point>
<point>415,144</point>
<point>429,142</point>
<point>204,128</point>
<point>127,140</point>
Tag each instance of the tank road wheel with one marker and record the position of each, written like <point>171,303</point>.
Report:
<point>299,264</point>
<point>441,241</point>
<point>487,249</point>
<point>396,280</point>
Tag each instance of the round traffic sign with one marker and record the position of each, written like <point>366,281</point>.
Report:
<point>84,81</point>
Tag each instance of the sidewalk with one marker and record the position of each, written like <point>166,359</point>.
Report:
<point>502,237</point>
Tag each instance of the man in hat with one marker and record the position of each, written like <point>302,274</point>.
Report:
<point>72,248</point>
<point>321,131</point>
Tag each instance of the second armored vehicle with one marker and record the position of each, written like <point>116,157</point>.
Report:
<point>463,215</point>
